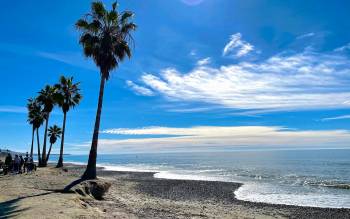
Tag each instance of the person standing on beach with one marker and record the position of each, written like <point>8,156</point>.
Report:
<point>8,163</point>
<point>30,165</point>
<point>21,164</point>
<point>17,162</point>
<point>25,165</point>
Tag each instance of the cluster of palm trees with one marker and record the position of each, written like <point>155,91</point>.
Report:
<point>65,95</point>
<point>105,36</point>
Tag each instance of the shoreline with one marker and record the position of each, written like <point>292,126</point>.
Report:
<point>236,185</point>
<point>221,194</point>
<point>104,168</point>
<point>138,195</point>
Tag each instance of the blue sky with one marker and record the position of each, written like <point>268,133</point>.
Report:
<point>205,75</point>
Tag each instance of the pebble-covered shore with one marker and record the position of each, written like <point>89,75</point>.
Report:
<point>136,195</point>
<point>211,199</point>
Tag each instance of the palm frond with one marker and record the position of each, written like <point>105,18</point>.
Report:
<point>98,9</point>
<point>82,24</point>
<point>114,6</point>
<point>126,15</point>
<point>112,17</point>
<point>68,93</point>
<point>46,98</point>
<point>127,28</point>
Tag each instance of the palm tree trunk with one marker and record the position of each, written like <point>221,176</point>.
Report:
<point>60,159</point>
<point>43,159</point>
<point>90,172</point>
<point>48,153</point>
<point>37,139</point>
<point>32,147</point>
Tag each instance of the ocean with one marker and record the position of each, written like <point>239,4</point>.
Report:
<point>319,178</point>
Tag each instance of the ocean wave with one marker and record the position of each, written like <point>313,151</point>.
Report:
<point>182,176</point>
<point>124,168</point>
<point>276,195</point>
<point>339,186</point>
<point>330,185</point>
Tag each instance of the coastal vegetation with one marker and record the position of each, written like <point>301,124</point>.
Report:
<point>65,95</point>
<point>35,118</point>
<point>46,99</point>
<point>106,38</point>
<point>54,134</point>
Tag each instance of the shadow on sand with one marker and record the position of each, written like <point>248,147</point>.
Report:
<point>10,208</point>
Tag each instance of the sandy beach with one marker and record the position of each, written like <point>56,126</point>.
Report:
<point>136,195</point>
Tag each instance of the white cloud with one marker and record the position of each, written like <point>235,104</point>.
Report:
<point>139,89</point>
<point>337,118</point>
<point>204,61</point>
<point>13,109</point>
<point>209,137</point>
<point>237,47</point>
<point>342,48</point>
<point>193,52</point>
<point>307,80</point>
<point>189,110</point>
<point>306,35</point>
<point>192,2</point>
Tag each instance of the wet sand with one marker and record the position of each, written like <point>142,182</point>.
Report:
<point>137,195</point>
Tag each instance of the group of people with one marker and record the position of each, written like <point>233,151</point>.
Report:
<point>18,164</point>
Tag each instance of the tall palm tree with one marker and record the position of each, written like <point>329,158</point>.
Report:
<point>67,96</point>
<point>47,99</point>
<point>31,106</point>
<point>36,118</point>
<point>54,133</point>
<point>39,121</point>
<point>106,38</point>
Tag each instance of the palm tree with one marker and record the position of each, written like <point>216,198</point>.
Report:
<point>31,106</point>
<point>106,38</point>
<point>67,96</point>
<point>54,133</point>
<point>36,118</point>
<point>38,122</point>
<point>47,99</point>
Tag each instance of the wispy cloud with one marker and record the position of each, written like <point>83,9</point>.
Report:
<point>237,46</point>
<point>306,35</point>
<point>204,61</point>
<point>79,145</point>
<point>190,109</point>
<point>299,81</point>
<point>201,137</point>
<point>343,48</point>
<point>139,89</point>
<point>193,52</point>
<point>336,118</point>
<point>70,58</point>
<point>12,109</point>
<point>192,2</point>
